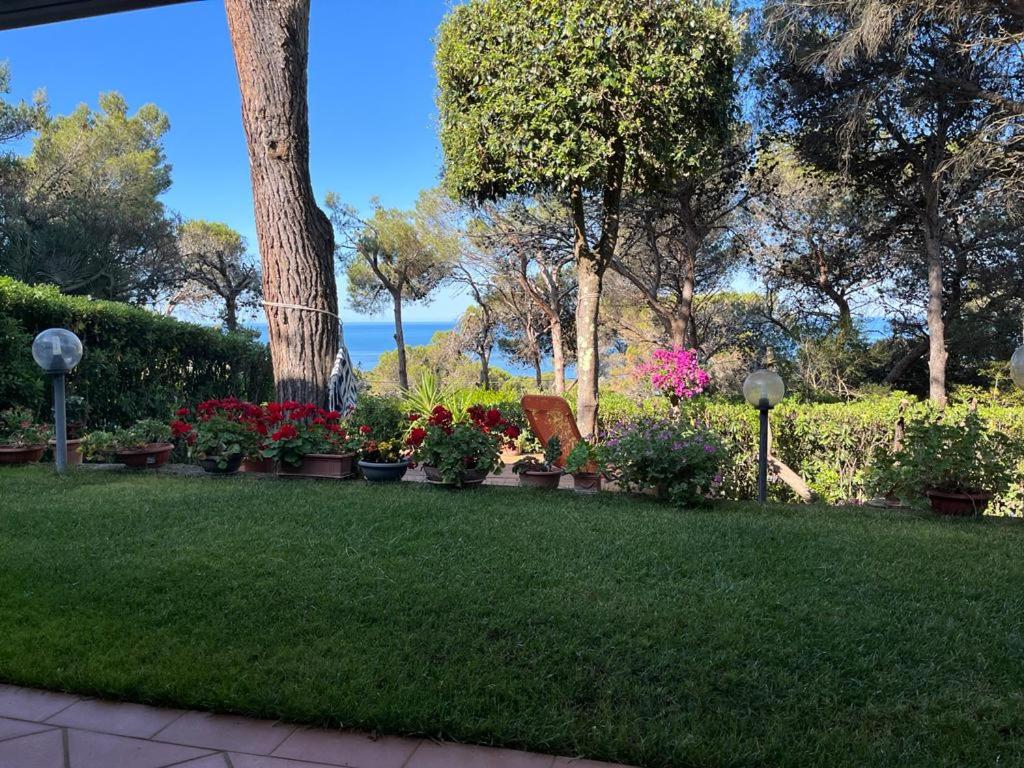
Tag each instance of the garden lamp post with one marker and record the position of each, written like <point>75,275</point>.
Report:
<point>1017,367</point>
<point>57,351</point>
<point>764,390</point>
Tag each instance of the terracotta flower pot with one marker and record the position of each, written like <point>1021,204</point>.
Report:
<point>74,451</point>
<point>263,466</point>
<point>470,479</point>
<point>150,457</point>
<point>26,454</point>
<point>383,472</point>
<point>586,482</point>
<point>540,478</point>
<point>211,465</point>
<point>958,504</point>
<point>323,465</point>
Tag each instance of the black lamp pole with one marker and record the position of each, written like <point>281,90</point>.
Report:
<point>762,453</point>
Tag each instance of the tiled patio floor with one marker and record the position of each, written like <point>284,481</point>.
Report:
<point>40,729</point>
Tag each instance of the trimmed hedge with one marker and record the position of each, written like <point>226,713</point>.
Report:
<point>136,365</point>
<point>830,445</point>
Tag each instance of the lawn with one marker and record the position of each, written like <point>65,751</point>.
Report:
<point>608,627</point>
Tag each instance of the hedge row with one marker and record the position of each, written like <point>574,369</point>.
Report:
<point>829,445</point>
<point>136,365</point>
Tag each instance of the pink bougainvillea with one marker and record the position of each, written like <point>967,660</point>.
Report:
<point>675,373</point>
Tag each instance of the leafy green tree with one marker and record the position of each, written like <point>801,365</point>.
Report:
<point>216,267</point>
<point>395,256</point>
<point>17,119</point>
<point>90,219</point>
<point>899,96</point>
<point>579,98</point>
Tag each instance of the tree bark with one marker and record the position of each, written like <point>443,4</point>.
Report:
<point>230,313</point>
<point>403,363</point>
<point>271,41</point>
<point>485,370</point>
<point>557,356</point>
<point>937,354</point>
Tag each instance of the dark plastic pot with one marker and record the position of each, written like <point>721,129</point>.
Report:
<point>470,478</point>
<point>264,466</point>
<point>958,504</point>
<point>334,466</point>
<point>540,478</point>
<point>152,456</point>
<point>210,464</point>
<point>586,482</point>
<point>27,454</point>
<point>377,472</point>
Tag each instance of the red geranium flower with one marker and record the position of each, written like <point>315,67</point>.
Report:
<point>286,432</point>
<point>365,429</point>
<point>413,417</point>
<point>182,412</point>
<point>512,432</point>
<point>180,428</point>
<point>416,437</point>
<point>493,418</point>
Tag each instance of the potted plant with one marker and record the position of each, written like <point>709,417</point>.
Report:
<point>144,445</point>
<point>383,461</point>
<point>461,453</point>
<point>220,444</point>
<point>951,460</point>
<point>76,412</point>
<point>252,420</point>
<point>308,442</point>
<point>581,463</point>
<point>541,473</point>
<point>22,440</point>
<point>377,425</point>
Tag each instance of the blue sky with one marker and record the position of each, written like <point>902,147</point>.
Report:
<point>371,100</point>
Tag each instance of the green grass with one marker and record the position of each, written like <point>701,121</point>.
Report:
<point>608,627</point>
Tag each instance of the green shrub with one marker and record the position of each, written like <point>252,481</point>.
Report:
<point>384,415</point>
<point>21,380</point>
<point>136,365</point>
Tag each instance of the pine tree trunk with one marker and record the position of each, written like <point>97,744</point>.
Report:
<point>558,356</point>
<point>485,370</point>
<point>587,344</point>
<point>230,314</point>
<point>403,364</point>
<point>270,41</point>
<point>937,354</point>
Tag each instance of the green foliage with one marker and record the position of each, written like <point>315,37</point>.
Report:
<point>552,453</point>
<point>85,213</point>
<point>21,380</point>
<point>19,429</point>
<point>101,445</point>
<point>951,451</point>
<point>676,461</point>
<point>385,416</point>
<point>222,439</point>
<point>543,94</point>
<point>582,456</point>
<point>136,364</point>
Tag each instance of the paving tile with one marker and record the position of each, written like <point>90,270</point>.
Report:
<point>343,748</point>
<point>201,729</point>
<point>432,755</point>
<point>99,750</point>
<point>116,717</point>
<point>12,728</point>
<point>32,704</point>
<point>210,761</point>
<point>239,760</point>
<point>41,750</point>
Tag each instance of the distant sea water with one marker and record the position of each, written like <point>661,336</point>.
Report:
<point>367,341</point>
